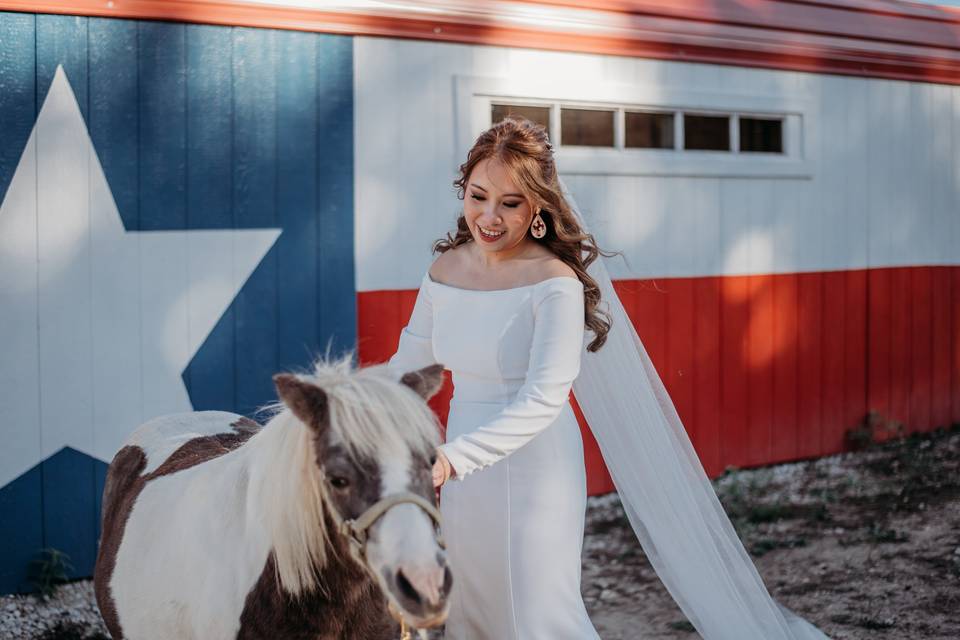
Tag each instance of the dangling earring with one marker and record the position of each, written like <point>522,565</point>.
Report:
<point>538,227</point>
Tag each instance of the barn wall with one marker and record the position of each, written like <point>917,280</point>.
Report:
<point>778,311</point>
<point>175,227</point>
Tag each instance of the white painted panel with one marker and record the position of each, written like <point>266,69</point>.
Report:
<point>955,175</point>
<point>871,194</point>
<point>830,208</point>
<point>940,135</point>
<point>20,366</point>
<point>63,228</point>
<point>117,391</point>
<point>856,152</point>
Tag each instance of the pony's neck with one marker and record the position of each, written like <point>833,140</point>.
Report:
<point>286,491</point>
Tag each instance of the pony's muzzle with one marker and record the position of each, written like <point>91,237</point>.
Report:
<point>422,591</point>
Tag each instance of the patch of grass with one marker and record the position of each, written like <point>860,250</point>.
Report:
<point>877,533</point>
<point>48,570</point>
<point>763,545</point>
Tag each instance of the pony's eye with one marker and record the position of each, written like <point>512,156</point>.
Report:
<point>433,460</point>
<point>338,482</point>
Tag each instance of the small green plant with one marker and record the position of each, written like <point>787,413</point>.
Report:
<point>50,569</point>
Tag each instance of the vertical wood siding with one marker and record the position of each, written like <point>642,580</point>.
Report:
<point>196,128</point>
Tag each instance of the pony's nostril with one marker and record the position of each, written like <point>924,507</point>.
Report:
<point>447,582</point>
<point>406,588</point>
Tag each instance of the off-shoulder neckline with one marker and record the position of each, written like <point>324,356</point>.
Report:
<point>430,279</point>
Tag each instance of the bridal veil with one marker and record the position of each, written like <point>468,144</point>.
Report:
<point>668,498</point>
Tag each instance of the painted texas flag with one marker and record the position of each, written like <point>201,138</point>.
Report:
<point>98,323</point>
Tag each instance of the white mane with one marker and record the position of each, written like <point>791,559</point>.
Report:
<point>369,413</point>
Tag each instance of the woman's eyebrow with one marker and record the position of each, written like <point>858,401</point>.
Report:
<point>519,195</point>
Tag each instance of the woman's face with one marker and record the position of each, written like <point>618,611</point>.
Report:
<point>493,203</point>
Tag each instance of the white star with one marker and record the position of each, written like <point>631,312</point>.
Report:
<point>97,323</point>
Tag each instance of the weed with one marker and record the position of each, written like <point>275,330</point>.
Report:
<point>50,569</point>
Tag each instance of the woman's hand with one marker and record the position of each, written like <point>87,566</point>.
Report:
<point>442,470</point>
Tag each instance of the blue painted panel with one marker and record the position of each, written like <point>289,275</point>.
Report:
<point>21,530</point>
<point>113,120</point>
<point>18,77</point>
<point>210,377</point>
<point>254,189</point>
<point>297,290</point>
<point>70,508</point>
<point>162,103</point>
<point>338,316</point>
<point>62,40</point>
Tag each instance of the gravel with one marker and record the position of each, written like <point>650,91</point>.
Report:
<point>865,545</point>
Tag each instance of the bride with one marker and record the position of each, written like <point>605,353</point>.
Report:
<point>506,308</point>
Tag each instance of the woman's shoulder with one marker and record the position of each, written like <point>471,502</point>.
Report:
<point>443,265</point>
<point>555,268</point>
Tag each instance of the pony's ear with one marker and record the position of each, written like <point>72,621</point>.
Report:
<point>307,401</point>
<point>426,381</point>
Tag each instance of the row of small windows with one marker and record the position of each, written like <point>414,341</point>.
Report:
<point>655,129</point>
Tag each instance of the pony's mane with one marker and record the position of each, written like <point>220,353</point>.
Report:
<point>369,412</point>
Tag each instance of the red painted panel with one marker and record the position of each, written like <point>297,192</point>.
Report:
<point>901,342</point>
<point>955,351</point>
<point>855,351</point>
<point>650,319</point>
<point>833,381</point>
<point>810,357</point>
<point>679,361</point>
<point>922,348</point>
<point>706,373</point>
<point>820,347</point>
<point>940,310</point>
<point>878,340</point>
<point>786,360</point>
<point>760,356</point>
<point>734,398</point>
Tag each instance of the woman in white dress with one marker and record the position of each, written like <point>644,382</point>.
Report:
<point>505,308</point>
<point>506,316</point>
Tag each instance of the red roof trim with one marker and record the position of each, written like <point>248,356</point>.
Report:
<point>878,38</point>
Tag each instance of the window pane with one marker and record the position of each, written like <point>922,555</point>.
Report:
<point>706,132</point>
<point>649,130</point>
<point>590,127</point>
<point>540,115</point>
<point>761,134</point>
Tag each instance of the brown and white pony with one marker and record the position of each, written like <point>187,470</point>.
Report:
<point>216,528</point>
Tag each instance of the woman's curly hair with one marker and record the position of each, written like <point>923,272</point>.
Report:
<point>524,149</point>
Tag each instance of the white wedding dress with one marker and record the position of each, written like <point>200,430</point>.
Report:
<point>513,515</point>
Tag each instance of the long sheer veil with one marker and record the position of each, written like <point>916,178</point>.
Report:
<point>668,498</point>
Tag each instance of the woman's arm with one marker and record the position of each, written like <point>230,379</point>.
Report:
<point>415,348</point>
<point>554,364</point>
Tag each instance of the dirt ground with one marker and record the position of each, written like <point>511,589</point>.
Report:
<point>866,545</point>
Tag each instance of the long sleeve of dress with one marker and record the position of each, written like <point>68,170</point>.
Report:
<point>415,348</point>
<point>557,341</point>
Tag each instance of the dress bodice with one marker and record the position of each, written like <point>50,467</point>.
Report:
<point>517,347</point>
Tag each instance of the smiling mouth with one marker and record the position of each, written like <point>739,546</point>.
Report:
<point>489,235</point>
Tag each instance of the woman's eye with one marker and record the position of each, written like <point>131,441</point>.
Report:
<point>339,483</point>
<point>510,205</point>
